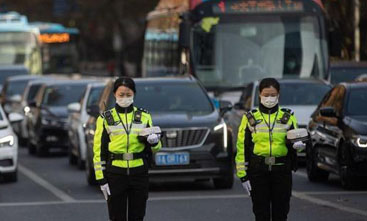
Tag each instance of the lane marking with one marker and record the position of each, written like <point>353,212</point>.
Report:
<point>45,184</point>
<point>326,203</point>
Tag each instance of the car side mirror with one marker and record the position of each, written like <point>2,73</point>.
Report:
<point>32,104</point>
<point>225,106</point>
<point>93,110</point>
<point>239,106</point>
<point>327,112</point>
<point>15,117</point>
<point>74,107</point>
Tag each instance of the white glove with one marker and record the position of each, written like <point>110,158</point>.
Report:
<point>299,146</point>
<point>105,190</point>
<point>153,139</point>
<point>247,186</point>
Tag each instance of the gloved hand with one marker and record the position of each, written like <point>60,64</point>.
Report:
<point>153,139</point>
<point>299,146</point>
<point>246,185</point>
<point>105,190</point>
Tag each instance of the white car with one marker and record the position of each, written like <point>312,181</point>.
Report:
<point>8,146</point>
<point>77,119</point>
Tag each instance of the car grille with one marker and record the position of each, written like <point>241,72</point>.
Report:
<point>183,137</point>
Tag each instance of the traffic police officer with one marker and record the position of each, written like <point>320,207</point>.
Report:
<point>264,158</point>
<point>121,155</point>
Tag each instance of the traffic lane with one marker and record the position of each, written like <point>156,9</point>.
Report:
<point>180,209</point>
<point>24,190</point>
<point>55,169</point>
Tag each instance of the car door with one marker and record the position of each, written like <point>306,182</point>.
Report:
<point>35,112</point>
<point>328,132</point>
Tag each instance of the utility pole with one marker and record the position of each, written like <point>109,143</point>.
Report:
<point>357,37</point>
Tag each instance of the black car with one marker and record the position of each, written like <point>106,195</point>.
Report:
<point>338,129</point>
<point>195,141</point>
<point>346,71</point>
<point>48,126</point>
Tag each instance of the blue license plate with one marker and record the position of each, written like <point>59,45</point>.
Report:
<point>177,158</point>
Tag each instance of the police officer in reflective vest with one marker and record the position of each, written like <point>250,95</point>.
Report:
<point>265,159</point>
<point>121,154</point>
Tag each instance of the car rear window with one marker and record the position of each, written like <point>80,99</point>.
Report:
<point>62,95</point>
<point>357,102</point>
<point>299,93</point>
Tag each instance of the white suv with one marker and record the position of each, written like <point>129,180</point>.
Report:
<point>8,146</point>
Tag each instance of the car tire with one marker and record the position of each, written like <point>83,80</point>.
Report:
<point>347,180</point>
<point>89,170</point>
<point>72,159</point>
<point>11,177</point>
<point>225,182</point>
<point>314,173</point>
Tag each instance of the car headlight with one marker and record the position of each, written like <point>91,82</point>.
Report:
<point>7,141</point>
<point>359,141</point>
<point>222,127</point>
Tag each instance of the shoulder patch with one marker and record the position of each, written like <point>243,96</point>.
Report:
<point>289,111</point>
<point>143,110</point>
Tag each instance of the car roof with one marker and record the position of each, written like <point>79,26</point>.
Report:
<point>297,81</point>
<point>13,67</point>
<point>348,64</point>
<point>24,77</point>
<point>68,82</point>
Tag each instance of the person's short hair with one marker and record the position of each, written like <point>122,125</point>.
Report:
<point>269,82</point>
<point>124,81</point>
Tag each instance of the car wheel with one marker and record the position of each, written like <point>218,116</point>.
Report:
<point>314,173</point>
<point>11,177</point>
<point>225,182</point>
<point>31,148</point>
<point>348,181</point>
<point>72,159</point>
<point>91,179</point>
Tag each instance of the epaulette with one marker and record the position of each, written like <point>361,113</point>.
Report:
<point>143,110</point>
<point>287,110</point>
<point>254,110</point>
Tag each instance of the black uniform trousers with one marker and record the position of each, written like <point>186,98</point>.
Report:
<point>129,195</point>
<point>271,191</point>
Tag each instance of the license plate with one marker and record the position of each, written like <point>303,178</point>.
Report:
<point>178,158</point>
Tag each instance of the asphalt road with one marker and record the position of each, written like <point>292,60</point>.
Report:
<point>49,188</point>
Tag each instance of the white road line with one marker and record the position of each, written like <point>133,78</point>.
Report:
<point>321,202</point>
<point>48,186</point>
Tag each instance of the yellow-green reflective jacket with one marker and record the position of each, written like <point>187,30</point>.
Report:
<point>115,138</point>
<point>260,137</point>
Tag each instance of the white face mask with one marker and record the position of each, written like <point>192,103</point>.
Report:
<point>125,101</point>
<point>269,102</point>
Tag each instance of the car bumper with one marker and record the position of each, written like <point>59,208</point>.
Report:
<point>8,159</point>
<point>53,137</point>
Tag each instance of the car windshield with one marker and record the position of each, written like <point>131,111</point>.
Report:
<point>175,97</point>
<point>299,93</point>
<point>338,75</point>
<point>230,54</point>
<point>94,95</point>
<point>357,102</point>
<point>62,95</point>
<point>4,74</point>
<point>15,87</point>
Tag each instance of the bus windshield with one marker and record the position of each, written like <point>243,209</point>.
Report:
<point>233,52</point>
<point>15,47</point>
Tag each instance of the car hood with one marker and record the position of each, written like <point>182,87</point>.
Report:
<point>302,112</point>
<point>357,123</point>
<point>181,120</point>
<point>57,112</point>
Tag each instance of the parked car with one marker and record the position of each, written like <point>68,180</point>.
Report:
<point>8,146</point>
<point>195,140</point>
<point>48,126</point>
<point>77,119</point>
<point>346,71</point>
<point>338,129</point>
<point>11,70</point>
<point>299,95</point>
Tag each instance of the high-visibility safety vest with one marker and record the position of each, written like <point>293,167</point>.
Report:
<point>261,137</point>
<point>120,138</point>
